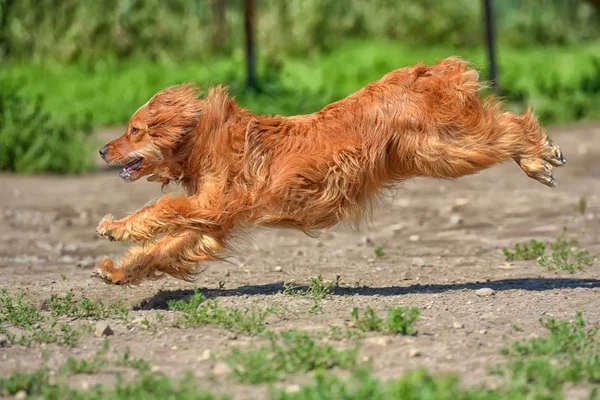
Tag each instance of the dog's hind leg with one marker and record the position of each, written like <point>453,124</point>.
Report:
<point>473,141</point>
<point>177,256</point>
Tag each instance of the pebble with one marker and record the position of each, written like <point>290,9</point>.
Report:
<point>483,331</point>
<point>397,228</point>
<point>485,292</point>
<point>67,259</point>
<point>174,347</point>
<point>299,253</point>
<point>278,268</point>
<point>379,340</point>
<point>155,369</point>
<point>414,353</point>
<point>418,262</point>
<point>221,368</point>
<point>407,276</point>
<point>206,354</point>
<point>458,325</point>
<point>414,238</point>
<point>103,329</point>
<point>20,395</point>
<point>87,262</point>
<point>367,241</point>
<point>456,219</point>
<point>291,389</point>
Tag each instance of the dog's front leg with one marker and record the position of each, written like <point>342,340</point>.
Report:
<point>177,256</point>
<point>169,214</point>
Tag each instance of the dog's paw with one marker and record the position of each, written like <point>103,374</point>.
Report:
<point>106,271</point>
<point>106,227</point>
<point>540,169</point>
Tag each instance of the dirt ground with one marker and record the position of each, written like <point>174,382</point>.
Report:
<point>442,239</point>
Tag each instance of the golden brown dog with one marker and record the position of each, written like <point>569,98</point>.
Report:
<point>307,172</point>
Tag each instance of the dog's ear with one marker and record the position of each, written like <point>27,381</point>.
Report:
<point>173,113</point>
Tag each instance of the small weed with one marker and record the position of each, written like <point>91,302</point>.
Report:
<point>199,311</point>
<point>525,251</point>
<point>86,308</point>
<point>318,289</point>
<point>571,353</point>
<point>82,366</point>
<point>517,328</point>
<point>379,250</point>
<point>137,363</point>
<point>16,311</point>
<point>287,353</point>
<point>399,321</point>
<point>582,205</point>
<point>565,254</point>
<point>149,386</point>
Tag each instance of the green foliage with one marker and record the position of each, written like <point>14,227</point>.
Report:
<point>379,250</point>
<point>16,311</point>
<point>288,353</point>
<point>84,366</point>
<point>38,385</point>
<point>570,353</point>
<point>32,142</point>
<point>317,290</point>
<point>179,30</point>
<point>399,321</point>
<point>566,254</point>
<point>565,90</point>
<point>86,308</point>
<point>525,251</point>
<point>199,311</point>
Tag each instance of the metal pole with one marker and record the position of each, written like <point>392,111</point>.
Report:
<point>490,40</point>
<point>252,81</point>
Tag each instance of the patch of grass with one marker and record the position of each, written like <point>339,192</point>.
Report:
<point>582,205</point>
<point>318,289</point>
<point>16,311</point>
<point>565,254</point>
<point>39,385</point>
<point>525,251</point>
<point>67,307</point>
<point>563,91</point>
<point>84,366</point>
<point>399,321</point>
<point>31,141</point>
<point>379,250</point>
<point>199,311</point>
<point>287,353</point>
<point>136,363</point>
<point>570,353</point>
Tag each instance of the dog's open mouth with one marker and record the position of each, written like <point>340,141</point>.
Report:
<point>128,170</point>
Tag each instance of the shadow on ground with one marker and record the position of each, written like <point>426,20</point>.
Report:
<point>161,299</point>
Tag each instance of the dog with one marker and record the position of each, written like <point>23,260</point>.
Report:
<point>306,172</point>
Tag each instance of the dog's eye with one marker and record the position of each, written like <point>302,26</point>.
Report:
<point>133,131</point>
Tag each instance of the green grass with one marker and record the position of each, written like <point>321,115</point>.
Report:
<point>32,141</point>
<point>25,325</point>
<point>379,250</point>
<point>67,307</point>
<point>565,90</point>
<point>565,254</point>
<point>16,311</point>
<point>197,311</point>
<point>318,289</point>
<point>287,353</point>
<point>399,321</point>
<point>567,357</point>
<point>525,251</point>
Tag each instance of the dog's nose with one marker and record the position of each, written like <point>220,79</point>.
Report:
<point>103,151</point>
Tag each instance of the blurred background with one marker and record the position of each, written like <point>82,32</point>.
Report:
<point>70,67</point>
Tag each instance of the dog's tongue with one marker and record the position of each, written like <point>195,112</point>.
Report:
<point>127,171</point>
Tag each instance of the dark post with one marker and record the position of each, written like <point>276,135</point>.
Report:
<point>252,82</point>
<point>490,40</point>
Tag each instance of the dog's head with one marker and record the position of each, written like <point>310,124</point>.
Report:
<point>157,135</point>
